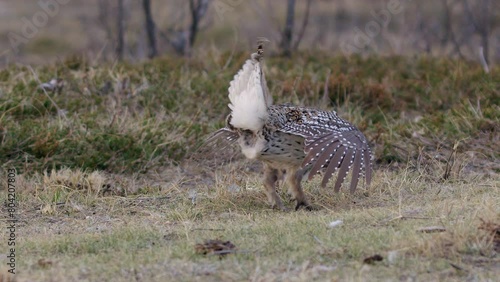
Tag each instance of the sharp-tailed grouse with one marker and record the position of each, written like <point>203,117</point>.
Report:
<point>301,141</point>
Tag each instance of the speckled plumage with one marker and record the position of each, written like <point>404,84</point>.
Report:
<point>298,140</point>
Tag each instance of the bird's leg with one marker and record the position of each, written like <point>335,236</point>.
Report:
<point>293,179</point>
<point>270,179</point>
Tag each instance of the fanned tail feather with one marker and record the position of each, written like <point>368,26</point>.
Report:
<point>249,95</point>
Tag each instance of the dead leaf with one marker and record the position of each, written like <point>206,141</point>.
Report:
<point>44,263</point>
<point>373,259</point>
<point>215,247</point>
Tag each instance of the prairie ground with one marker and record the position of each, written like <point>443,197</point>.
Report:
<point>112,184</point>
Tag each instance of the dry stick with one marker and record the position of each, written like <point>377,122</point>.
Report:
<point>453,154</point>
<point>447,170</point>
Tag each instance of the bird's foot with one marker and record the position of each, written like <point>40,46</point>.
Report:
<point>304,204</point>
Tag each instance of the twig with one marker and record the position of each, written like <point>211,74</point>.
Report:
<point>229,252</point>
<point>417,217</point>
<point>456,266</point>
<point>153,198</point>
<point>432,229</point>
<point>304,25</point>
<point>317,239</point>
<point>208,229</point>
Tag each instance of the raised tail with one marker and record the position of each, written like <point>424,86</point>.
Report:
<point>249,95</point>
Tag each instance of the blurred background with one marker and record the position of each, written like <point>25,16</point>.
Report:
<point>44,31</point>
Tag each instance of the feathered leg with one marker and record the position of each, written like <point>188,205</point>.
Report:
<point>293,179</point>
<point>270,179</point>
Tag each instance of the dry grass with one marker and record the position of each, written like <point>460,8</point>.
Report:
<point>70,230</point>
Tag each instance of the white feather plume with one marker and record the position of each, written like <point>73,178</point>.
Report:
<point>248,97</point>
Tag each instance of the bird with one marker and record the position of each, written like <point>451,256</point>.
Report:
<point>299,141</point>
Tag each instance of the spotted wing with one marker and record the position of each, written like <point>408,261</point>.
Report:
<point>331,144</point>
<point>339,151</point>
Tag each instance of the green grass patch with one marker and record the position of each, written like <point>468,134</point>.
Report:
<point>124,118</point>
